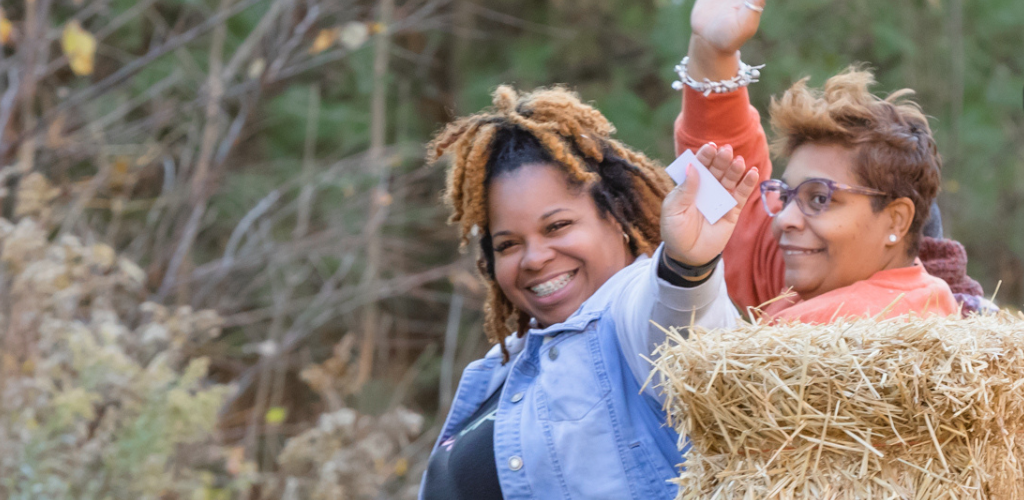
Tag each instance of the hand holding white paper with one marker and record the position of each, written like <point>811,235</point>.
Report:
<point>712,199</point>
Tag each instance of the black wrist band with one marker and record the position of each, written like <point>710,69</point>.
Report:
<point>686,270</point>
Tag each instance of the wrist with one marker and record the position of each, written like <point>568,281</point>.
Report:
<point>745,75</point>
<point>707,61</point>
<point>688,261</point>
<point>688,271</point>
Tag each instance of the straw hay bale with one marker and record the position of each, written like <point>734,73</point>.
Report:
<point>908,408</point>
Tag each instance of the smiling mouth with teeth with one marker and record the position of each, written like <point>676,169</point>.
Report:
<point>801,252</point>
<point>553,285</point>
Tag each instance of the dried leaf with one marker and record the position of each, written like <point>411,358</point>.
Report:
<point>256,67</point>
<point>80,47</point>
<point>324,40</point>
<point>55,132</point>
<point>119,174</point>
<point>35,194</point>
<point>103,256</point>
<point>354,34</point>
<point>235,460</point>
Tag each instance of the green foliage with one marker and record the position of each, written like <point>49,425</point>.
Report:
<point>98,398</point>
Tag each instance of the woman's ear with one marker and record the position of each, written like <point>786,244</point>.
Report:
<point>901,214</point>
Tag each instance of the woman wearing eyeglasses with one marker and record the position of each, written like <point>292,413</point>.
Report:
<point>842,227</point>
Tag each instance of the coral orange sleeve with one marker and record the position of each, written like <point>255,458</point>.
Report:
<point>753,265</point>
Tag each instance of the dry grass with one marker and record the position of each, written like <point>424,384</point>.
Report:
<point>913,408</point>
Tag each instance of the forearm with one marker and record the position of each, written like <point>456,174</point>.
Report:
<point>651,303</point>
<point>754,269</point>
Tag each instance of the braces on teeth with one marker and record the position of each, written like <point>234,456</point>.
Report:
<point>545,289</point>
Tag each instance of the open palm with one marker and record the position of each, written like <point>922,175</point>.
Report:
<point>725,24</point>
<point>688,236</point>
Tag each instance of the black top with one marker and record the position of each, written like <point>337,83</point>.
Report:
<point>462,467</point>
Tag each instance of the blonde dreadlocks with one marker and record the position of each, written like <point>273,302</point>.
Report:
<point>551,126</point>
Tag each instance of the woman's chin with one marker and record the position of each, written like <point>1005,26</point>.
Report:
<point>803,285</point>
<point>554,315</point>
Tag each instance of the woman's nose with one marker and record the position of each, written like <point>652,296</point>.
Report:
<point>537,254</point>
<point>790,217</point>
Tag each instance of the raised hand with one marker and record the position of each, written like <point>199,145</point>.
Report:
<point>720,28</point>
<point>725,24</point>
<point>688,236</point>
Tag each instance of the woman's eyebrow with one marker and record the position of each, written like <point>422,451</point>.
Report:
<point>552,212</point>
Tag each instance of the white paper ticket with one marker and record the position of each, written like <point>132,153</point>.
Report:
<point>712,199</point>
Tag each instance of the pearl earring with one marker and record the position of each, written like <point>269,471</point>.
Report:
<point>626,237</point>
<point>892,238</point>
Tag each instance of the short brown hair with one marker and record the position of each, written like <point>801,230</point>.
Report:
<point>894,149</point>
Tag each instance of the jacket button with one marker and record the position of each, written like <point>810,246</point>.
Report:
<point>515,463</point>
<point>517,397</point>
<point>553,353</point>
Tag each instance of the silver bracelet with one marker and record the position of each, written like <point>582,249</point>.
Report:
<point>746,76</point>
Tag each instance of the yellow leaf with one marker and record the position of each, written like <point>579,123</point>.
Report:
<point>401,467</point>
<point>6,29</point>
<point>276,415</point>
<point>324,40</point>
<point>119,174</point>
<point>80,47</point>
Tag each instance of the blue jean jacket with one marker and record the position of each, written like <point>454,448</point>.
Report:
<point>572,421</point>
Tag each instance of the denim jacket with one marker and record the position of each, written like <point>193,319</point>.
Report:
<point>572,421</point>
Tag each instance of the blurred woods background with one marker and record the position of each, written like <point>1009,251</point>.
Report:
<point>225,268</point>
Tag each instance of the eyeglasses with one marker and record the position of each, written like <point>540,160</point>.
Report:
<point>812,196</point>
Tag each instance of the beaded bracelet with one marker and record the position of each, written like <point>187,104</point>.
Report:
<point>747,74</point>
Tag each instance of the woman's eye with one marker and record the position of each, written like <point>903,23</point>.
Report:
<point>555,226</point>
<point>501,247</point>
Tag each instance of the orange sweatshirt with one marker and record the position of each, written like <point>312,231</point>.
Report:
<point>754,268</point>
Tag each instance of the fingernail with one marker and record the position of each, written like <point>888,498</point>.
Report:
<point>713,144</point>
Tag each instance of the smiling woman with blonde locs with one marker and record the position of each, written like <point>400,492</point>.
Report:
<point>585,246</point>
<point>574,135</point>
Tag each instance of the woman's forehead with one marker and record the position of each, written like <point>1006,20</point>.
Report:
<point>532,193</point>
<point>821,161</point>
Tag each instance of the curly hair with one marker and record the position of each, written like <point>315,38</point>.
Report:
<point>894,151</point>
<point>548,126</point>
